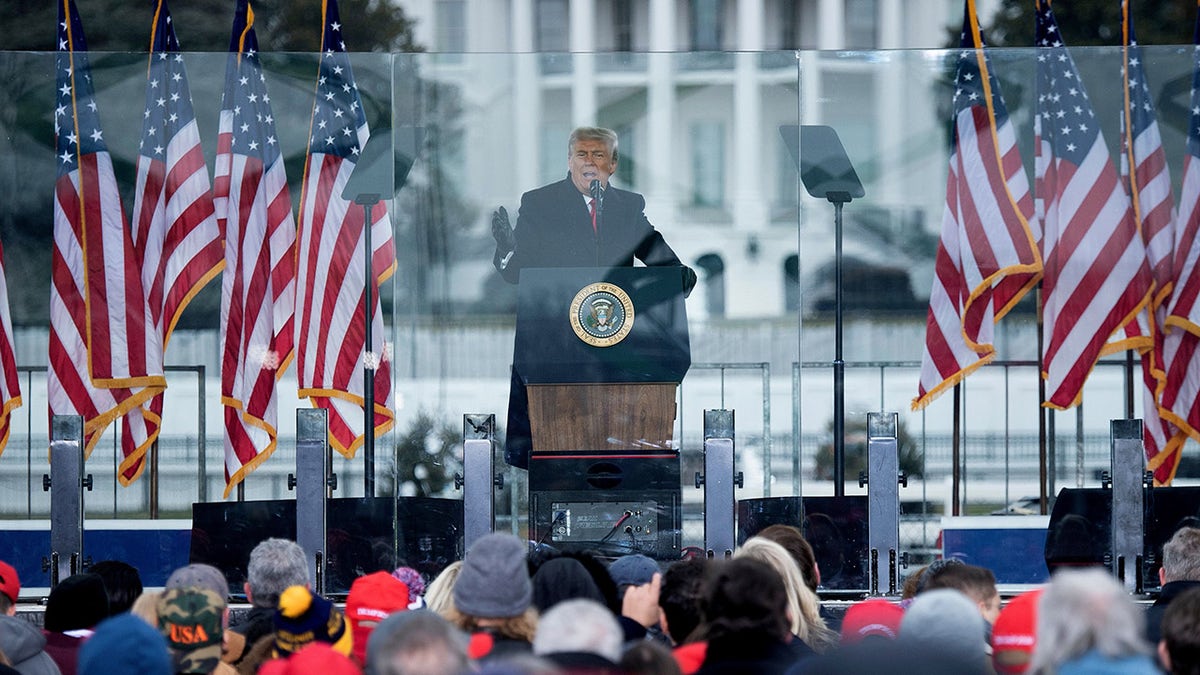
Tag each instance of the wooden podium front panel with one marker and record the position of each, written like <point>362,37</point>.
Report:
<point>573,417</point>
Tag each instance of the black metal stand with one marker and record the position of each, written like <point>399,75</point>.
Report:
<point>368,201</point>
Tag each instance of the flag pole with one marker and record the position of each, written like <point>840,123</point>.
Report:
<point>1043,495</point>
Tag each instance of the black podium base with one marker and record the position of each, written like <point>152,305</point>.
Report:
<point>611,505</point>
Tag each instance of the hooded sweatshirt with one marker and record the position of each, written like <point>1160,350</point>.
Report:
<point>25,645</point>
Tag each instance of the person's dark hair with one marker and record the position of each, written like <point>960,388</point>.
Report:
<point>973,581</point>
<point>5,603</point>
<point>648,657</point>
<point>793,541</point>
<point>933,569</point>
<point>1181,633</point>
<point>680,596</point>
<point>744,596</point>
<point>122,583</point>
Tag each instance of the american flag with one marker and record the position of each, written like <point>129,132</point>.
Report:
<point>1149,187</point>
<point>258,290</point>
<point>105,359</point>
<point>987,258</point>
<point>10,380</point>
<point>331,272</point>
<point>1096,275</point>
<point>1181,340</point>
<point>175,231</point>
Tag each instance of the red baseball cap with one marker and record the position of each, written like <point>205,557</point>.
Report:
<point>875,616</point>
<point>1015,633</point>
<point>10,583</point>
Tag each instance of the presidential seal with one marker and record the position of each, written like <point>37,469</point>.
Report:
<point>601,314</point>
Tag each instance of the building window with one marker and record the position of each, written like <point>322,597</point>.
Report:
<point>623,25</point>
<point>789,25</point>
<point>451,25</point>
<point>708,163</point>
<point>626,141</point>
<point>553,152</point>
<point>706,23</point>
<point>862,26</point>
<point>712,277</point>
<point>553,29</point>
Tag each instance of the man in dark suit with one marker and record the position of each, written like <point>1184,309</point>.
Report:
<point>580,221</point>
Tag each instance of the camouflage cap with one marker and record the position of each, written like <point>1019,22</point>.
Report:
<point>192,619</point>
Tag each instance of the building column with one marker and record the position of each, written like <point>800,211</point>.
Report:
<point>748,206</point>
<point>527,99</point>
<point>831,16</point>
<point>582,18</point>
<point>655,180</point>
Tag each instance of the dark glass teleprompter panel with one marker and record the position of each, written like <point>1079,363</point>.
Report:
<point>836,527</point>
<point>1080,530</point>
<point>360,538</point>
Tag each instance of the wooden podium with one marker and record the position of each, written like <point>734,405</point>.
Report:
<point>601,353</point>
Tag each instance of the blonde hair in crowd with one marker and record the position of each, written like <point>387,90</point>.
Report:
<point>804,607</point>
<point>439,596</point>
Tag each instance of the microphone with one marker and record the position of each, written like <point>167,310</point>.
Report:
<point>597,194</point>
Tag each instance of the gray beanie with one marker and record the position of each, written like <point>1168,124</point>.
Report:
<point>494,580</point>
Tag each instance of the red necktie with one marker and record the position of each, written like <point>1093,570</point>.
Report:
<point>592,208</point>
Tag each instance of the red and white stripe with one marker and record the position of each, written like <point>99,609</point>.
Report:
<point>257,300</point>
<point>103,358</point>
<point>10,379</point>
<point>329,330</point>
<point>1096,276</point>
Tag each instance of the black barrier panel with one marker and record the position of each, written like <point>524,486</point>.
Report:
<point>836,527</point>
<point>359,540</point>
<point>1080,530</point>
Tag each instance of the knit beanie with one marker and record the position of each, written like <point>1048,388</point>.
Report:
<point>192,619</point>
<point>372,598</point>
<point>414,581</point>
<point>303,617</point>
<point>124,644</point>
<point>77,602</point>
<point>494,580</point>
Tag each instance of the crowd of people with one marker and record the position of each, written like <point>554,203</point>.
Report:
<point>512,607</point>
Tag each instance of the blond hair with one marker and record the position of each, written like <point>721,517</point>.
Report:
<point>804,607</point>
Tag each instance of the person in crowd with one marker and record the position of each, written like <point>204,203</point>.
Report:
<point>638,580</point>
<point>304,617</point>
<point>807,626</point>
<point>493,598</point>
<point>20,640</point>
<point>439,597</point>
<point>1180,571</point>
<point>373,597</point>
<point>193,620</point>
<point>315,658</point>
<point>146,607</point>
<point>745,616</point>
<point>1087,623</point>
<point>1179,648</point>
<point>416,643</point>
<point>560,579</point>
<point>975,582</point>
<point>680,598</point>
<point>73,609</point>
<point>565,224</point>
<point>792,539</point>
<point>125,644</point>
<point>581,636</point>
<point>275,565</point>
<point>122,583</point>
<point>943,631</point>
<point>871,619</point>
<point>1014,634</point>
<point>649,658</point>
<point>415,583</point>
